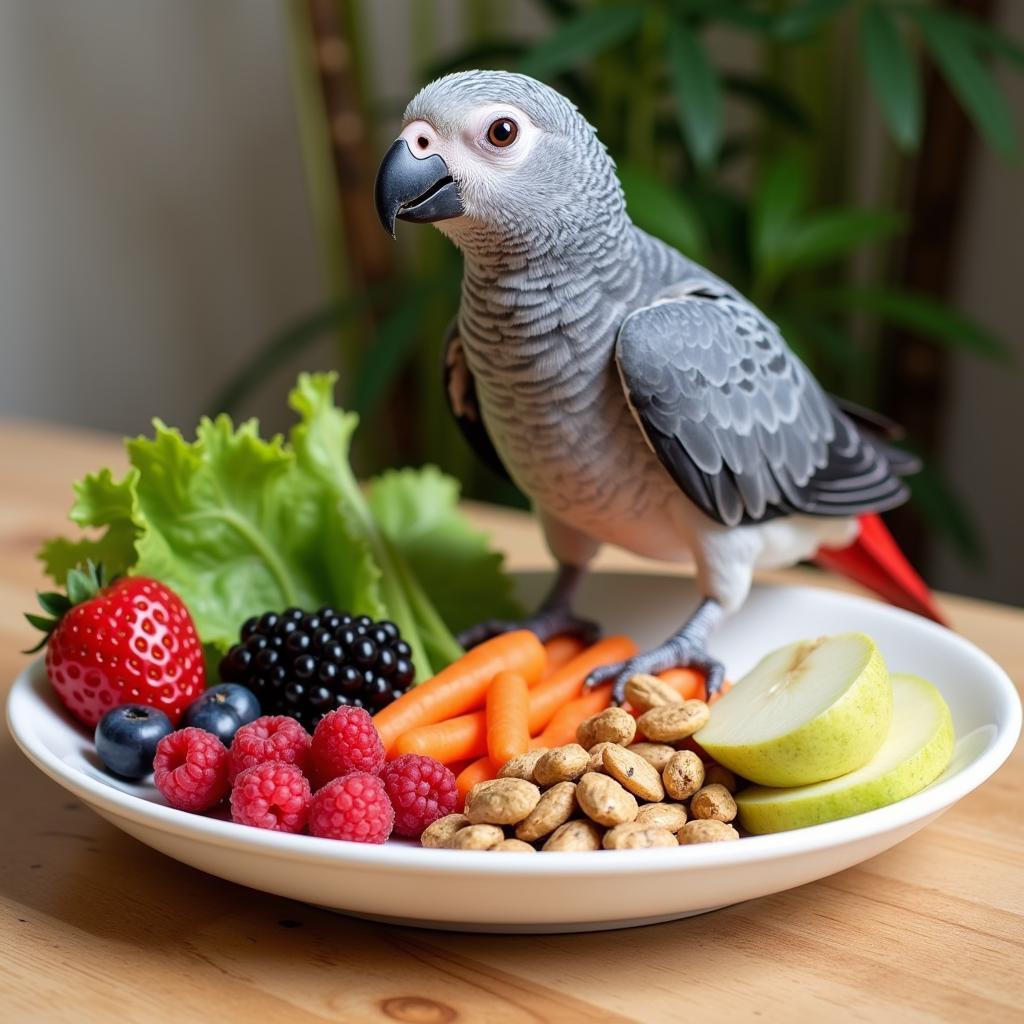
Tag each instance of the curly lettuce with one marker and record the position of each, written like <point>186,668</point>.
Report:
<point>238,525</point>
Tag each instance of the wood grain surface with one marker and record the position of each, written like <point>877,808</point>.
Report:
<point>95,926</point>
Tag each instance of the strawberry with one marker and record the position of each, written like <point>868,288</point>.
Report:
<point>130,642</point>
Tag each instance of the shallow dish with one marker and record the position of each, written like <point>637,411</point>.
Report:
<point>573,891</point>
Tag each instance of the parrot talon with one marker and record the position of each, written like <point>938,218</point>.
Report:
<point>547,623</point>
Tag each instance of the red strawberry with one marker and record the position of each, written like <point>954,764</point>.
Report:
<point>131,642</point>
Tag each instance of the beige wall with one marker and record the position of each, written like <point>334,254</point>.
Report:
<point>154,229</point>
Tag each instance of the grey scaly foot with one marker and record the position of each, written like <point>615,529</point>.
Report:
<point>554,617</point>
<point>686,648</point>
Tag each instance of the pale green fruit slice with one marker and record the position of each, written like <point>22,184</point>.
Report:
<point>807,712</point>
<point>916,751</point>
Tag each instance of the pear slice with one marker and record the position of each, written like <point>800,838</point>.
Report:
<point>809,711</point>
<point>917,750</point>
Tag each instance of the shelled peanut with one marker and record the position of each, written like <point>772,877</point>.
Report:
<point>609,790</point>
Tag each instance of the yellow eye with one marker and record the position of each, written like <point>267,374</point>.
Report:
<point>502,132</point>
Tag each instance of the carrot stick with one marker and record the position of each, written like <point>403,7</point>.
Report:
<point>478,771</point>
<point>508,717</point>
<point>560,651</point>
<point>458,739</point>
<point>554,692</point>
<point>462,685</point>
<point>687,682</point>
<point>562,728</point>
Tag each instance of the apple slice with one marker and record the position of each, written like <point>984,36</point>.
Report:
<point>918,748</point>
<point>805,713</point>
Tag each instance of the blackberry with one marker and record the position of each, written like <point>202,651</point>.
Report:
<point>305,664</point>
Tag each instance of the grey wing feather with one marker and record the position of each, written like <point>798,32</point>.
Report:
<point>460,390</point>
<point>738,420</point>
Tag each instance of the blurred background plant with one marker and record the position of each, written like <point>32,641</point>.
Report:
<point>812,152</point>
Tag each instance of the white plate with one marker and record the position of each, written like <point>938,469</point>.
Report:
<point>573,891</point>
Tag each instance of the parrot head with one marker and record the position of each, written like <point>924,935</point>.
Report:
<point>491,156</point>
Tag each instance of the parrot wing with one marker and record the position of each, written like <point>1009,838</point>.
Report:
<point>737,419</point>
<point>460,388</point>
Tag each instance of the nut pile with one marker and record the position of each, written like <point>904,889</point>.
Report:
<point>606,790</point>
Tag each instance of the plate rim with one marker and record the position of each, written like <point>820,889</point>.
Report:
<point>23,702</point>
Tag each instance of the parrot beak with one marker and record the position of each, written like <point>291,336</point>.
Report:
<point>408,188</point>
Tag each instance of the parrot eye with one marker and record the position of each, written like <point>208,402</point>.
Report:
<point>502,132</point>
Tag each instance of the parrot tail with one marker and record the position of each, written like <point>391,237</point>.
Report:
<point>875,561</point>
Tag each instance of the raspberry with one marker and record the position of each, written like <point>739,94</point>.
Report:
<point>191,769</point>
<point>345,741</point>
<point>354,807</point>
<point>272,795</point>
<point>421,790</point>
<point>270,738</point>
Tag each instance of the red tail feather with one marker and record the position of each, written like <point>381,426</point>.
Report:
<point>875,561</point>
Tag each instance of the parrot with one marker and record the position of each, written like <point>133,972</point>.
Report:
<point>634,397</point>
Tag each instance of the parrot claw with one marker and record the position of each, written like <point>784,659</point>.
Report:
<point>547,623</point>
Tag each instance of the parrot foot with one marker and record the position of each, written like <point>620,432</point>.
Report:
<point>685,649</point>
<point>547,623</point>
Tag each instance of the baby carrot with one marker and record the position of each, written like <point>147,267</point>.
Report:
<point>508,717</point>
<point>478,771</point>
<point>562,728</point>
<point>557,690</point>
<point>687,682</point>
<point>462,685</point>
<point>560,651</point>
<point>458,739</point>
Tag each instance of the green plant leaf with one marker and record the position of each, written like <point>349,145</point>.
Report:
<point>662,211</point>
<point>778,201</point>
<point>915,312</point>
<point>822,238</point>
<point>953,51</point>
<point>800,20</point>
<point>487,54</point>
<point>893,74</point>
<point>989,38</point>
<point>581,37</point>
<point>417,510</point>
<point>697,93</point>
<point>769,98</point>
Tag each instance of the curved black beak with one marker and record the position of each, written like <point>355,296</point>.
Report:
<point>412,189</point>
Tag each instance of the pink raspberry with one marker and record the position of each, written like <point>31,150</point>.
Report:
<point>272,795</point>
<point>344,741</point>
<point>270,738</point>
<point>190,769</point>
<point>421,790</point>
<point>354,807</point>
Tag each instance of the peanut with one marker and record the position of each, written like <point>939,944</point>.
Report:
<point>597,756</point>
<point>521,767</point>
<point>476,837</point>
<point>632,836</point>
<point>645,692</point>
<point>603,800</point>
<point>613,725</point>
<point>513,846</point>
<point>633,772</point>
<point>716,774</point>
<point>574,835</point>
<point>505,802</point>
<point>713,801</point>
<point>669,723</point>
<point>554,808</point>
<point>683,775</point>
<point>709,831</point>
<point>663,815</point>
<point>561,764</point>
<point>656,754</point>
<point>439,832</point>
<point>479,787</point>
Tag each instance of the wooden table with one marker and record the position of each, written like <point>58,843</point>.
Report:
<point>95,926</point>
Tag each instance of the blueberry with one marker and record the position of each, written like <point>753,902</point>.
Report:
<point>241,700</point>
<point>213,717</point>
<point>126,738</point>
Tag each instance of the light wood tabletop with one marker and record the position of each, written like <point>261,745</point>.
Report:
<point>94,926</point>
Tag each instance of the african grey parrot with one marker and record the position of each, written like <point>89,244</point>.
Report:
<point>635,397</point>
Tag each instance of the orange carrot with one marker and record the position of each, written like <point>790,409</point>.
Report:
<point>458,739</point>
<point>508,717</point>
<point>687,682</point>
<point>462,685</point>
<point>560,651</point>
<point>562,728</point>
<point>478,771</point>
<point>553,693</point>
